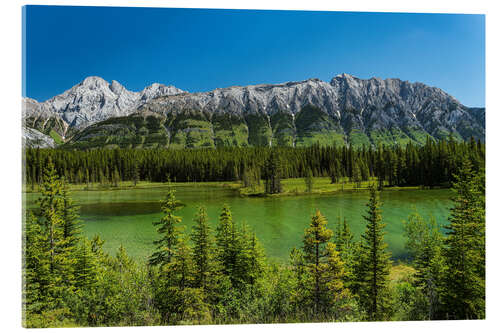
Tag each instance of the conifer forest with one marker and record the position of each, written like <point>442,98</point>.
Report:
<point>216,271</point>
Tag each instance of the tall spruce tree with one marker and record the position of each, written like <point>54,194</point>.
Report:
<point>36,268</point>
<point>309,180</point>
<point>229,247</point>
<point>464,292</point>
<point>168,230</point>
<point>203,249</point>
<point>323,265</point>
<point>298,296</point>
<point>72,226</point>
<point>54,207</point>
<point>273,172</point>
<point>373,267</point>
<point>86,266</point>
<point>424,243</point>
<point>346,247</point>
<point>251,259</point>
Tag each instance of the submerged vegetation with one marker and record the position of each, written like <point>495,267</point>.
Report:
<point>205,276</point>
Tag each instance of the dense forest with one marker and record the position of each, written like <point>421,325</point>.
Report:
<point>222,275</point>
<point>432,164</point>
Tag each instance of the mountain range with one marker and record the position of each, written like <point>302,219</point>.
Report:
<point>345,111</point>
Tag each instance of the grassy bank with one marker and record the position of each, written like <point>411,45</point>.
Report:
<point>290,187</point>
<point>321,185</point>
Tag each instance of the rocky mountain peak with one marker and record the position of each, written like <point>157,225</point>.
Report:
<point>94,99</point>
<point>353,108</point>
<point>116,87</point>
<point>94,82</point>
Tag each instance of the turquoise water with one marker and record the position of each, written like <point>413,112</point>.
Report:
<point>125,216</point>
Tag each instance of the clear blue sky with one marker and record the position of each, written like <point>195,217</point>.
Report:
<point>200,50</point>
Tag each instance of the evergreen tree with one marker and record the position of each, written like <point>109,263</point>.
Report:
<point>251,259</point>
<point>229,246</point>
<point>424,243</point>
<point>356,174</point>
<point>334,174</point>
<point>176,297</point>
<point>86,266</point>
<point>203,250</point>
<point>464,294</point>
<point>72,226</point>
<point>372,270</point>
<point>323,265</point>
<point>137,174</point>
<point>61,235</point>
<point>36,268</point>
<point>168,230</point>
<point>346,248</point>
<point>301,280</point>
<point>309,181</point>
<point>273,173</point>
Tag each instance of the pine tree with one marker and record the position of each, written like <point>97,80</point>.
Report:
<point>301,280</point>
<point>203,249</point>
<point>137,174</point>
<point>334,174</point>
<point>176,297</point>
<point>181,268</point>
<point>356,174</point>
<point>273,173</point>
<point>51,193</point>
<point>55,205</point>
<point>168,229</point>
<point>229,245</point>
<point>309,181</point>
<point>250,263</point>
<point>464,293</point>
<point>334,276</point>
<point>115,177</point>
<point>62,260</point>
<point>36,268</point>
<point>323,265</point>
<point>424,243</point>
<point>346,247</point>
<point>86,271</point>
<point>372,270</point>
<point>72,226</point>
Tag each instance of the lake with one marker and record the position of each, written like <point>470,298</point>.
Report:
<point>125,216</point>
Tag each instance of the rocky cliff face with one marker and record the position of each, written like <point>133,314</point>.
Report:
<point>346,110</point>
<point>35,139</point>
<point>91,101</point>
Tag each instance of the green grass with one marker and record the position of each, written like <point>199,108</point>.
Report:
<point>57,138</point>
<point>321,185</point>
<point>291,186</point>
<point>358,139</point>
<point>323,138</point>
<point>141,185</point>
<point>391,137</point>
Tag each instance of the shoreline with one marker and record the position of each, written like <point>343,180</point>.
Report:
<point>291,187</point>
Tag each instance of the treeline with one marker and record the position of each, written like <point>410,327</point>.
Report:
<point>206,276</point>
<point>432,164</point>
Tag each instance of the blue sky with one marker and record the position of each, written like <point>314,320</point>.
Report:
<point>200,50</point>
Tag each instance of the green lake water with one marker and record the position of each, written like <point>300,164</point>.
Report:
<point>125,216</point>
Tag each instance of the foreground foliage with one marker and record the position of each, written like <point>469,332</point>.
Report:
<point>205,276</point>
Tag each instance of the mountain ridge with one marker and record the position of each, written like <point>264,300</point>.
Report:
<point>347,109</point>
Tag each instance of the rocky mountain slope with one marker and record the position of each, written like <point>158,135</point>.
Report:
<point>35,139</point>
<point>90,101</point>
<point>346,110</point>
